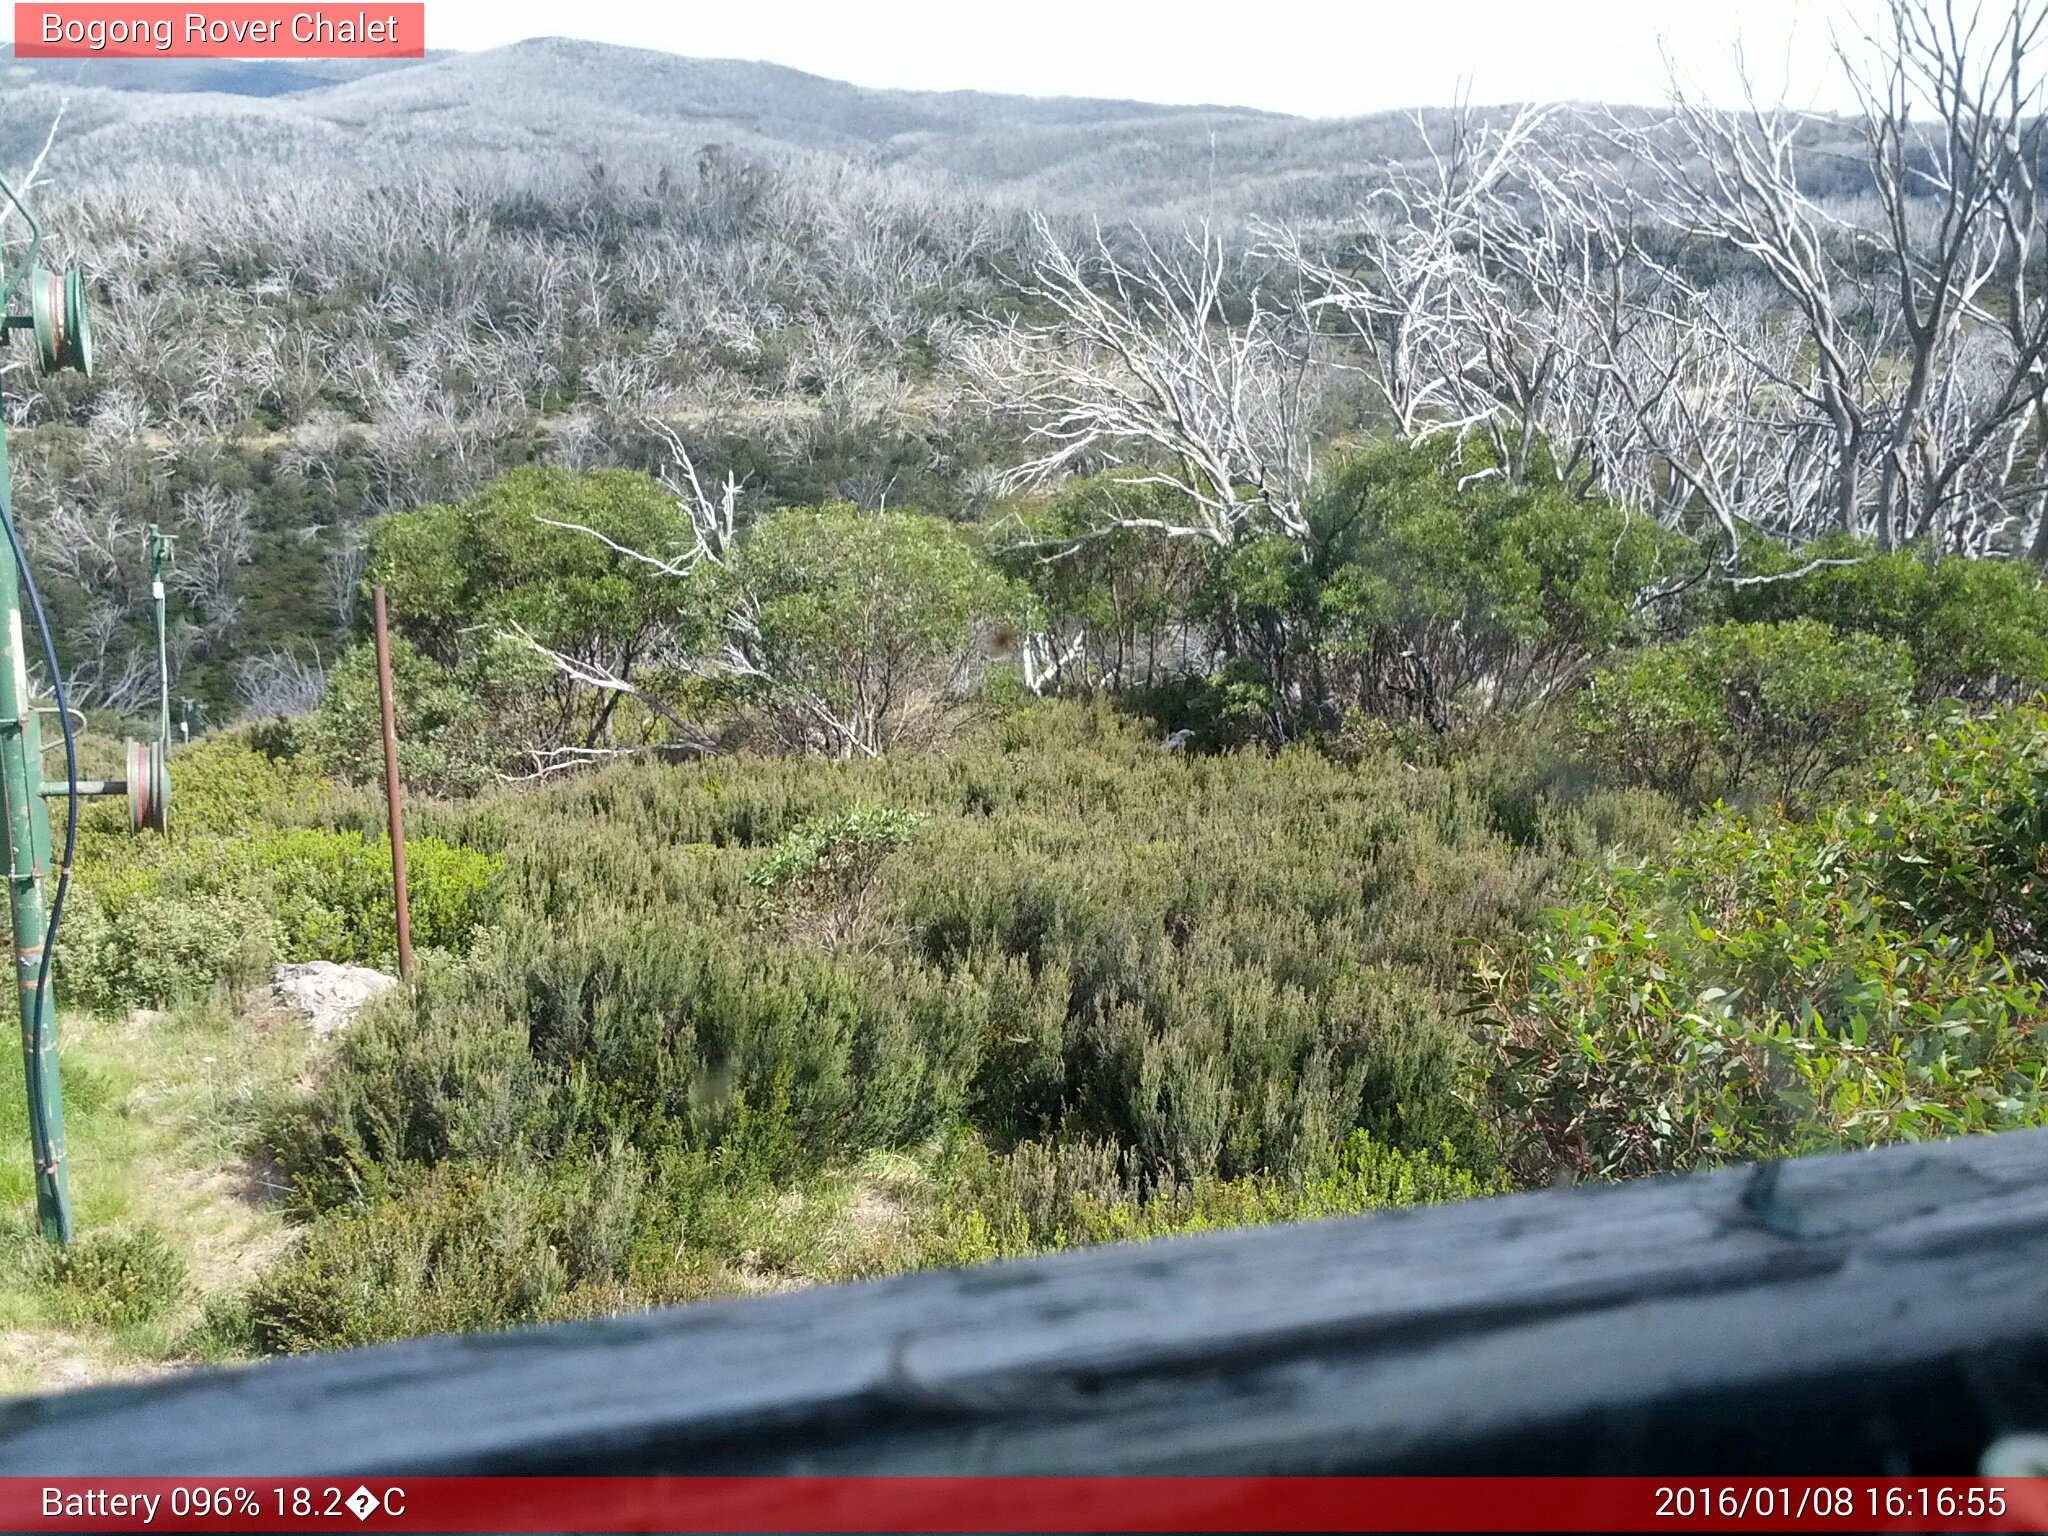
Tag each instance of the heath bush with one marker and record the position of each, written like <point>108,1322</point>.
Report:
<point>1770,710</point>
<point>1771,987</point>
<point>117,1278</point>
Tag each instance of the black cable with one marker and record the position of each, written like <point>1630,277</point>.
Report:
<point>35,603</point>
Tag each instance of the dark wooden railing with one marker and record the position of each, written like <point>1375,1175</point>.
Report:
<point>1883,1312</point>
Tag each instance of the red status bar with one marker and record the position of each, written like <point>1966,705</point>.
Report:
<point>1004,1504</point>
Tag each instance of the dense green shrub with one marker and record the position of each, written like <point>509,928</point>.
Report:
<point>1432,590</point>
<point>1080,1193</point>
<point>225,783</point>
<point>465,1250</point>
<point>1234,981</point>
<point>1776,709</point>
<point>527,551</point>
<point>151,946</point>
<point>235,887</point>
<point>472,1244</point>
<point>1771,987</point>
<point>466,1247</point>
<point>174,918</point>
<point>458,727</point>
<point>575,565</point>
<point>1962,827</point>
<point>556,619</point>
<point>823,870</point>
<point>1978,629</point>
<point>332,893</point>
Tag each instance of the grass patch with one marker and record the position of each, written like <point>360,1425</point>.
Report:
<point>174,1213</point>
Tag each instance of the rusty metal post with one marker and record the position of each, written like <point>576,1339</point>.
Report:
<point>391,797</point>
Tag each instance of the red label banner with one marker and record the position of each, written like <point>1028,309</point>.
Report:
<point>225,31</point>
<point>1006,1504</point>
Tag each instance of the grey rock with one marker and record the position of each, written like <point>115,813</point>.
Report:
<point>326,995</point>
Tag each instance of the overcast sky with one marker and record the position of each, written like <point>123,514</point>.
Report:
<point>1319,59</point>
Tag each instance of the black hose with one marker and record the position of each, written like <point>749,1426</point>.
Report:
<point>35,603</point>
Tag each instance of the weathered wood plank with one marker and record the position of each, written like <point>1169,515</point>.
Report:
<point>1875,1311</point>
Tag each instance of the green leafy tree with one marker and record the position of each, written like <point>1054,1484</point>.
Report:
<point>1114,596</point>
<point>858,629</point>
<point>1978,629</point>
<point>585,572</point>
<point>1432,590</point>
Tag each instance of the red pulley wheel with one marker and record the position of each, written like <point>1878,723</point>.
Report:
<point>149,787</point>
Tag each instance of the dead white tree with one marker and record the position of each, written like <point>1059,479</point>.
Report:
<point>1169,361</point>
<point>216,538</point>
<point>1731,179</point>
<point>1698,372</point>
<point>714,522</point>
<point>1880,371</point>
<point>342,577</point>
<point>1917,335</point>
<point>1465,307</point>
<point>1950,189</point>
<point>279,685</point>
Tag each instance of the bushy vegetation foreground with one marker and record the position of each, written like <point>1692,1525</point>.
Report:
<point>767,1019</point>
<point>764,1021</point>
<point>1469,866</point>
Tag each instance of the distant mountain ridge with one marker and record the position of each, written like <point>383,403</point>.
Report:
<point>555,98</point>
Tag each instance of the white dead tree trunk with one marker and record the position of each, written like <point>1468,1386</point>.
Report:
<point>1892,382</point>
<point>1918,336</point>
<point>1143,366</point>
<point>1730,178</point>
<point>1947,196</point>
<point>1469,288</point>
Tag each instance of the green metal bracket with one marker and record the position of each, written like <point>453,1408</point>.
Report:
<point>35,247</point>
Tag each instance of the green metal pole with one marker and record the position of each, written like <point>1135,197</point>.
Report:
<point>63,339</point>
<point>28,859</point>
<point>159,546</point>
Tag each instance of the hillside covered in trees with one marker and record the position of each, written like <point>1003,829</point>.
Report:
<point>964,696</point>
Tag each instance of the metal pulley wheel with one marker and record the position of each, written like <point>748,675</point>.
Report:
<point>63,328</point>
<point>149,787</point>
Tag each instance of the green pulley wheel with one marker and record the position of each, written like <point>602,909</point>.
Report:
<point>149,787</point>
<point>62,326</point>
